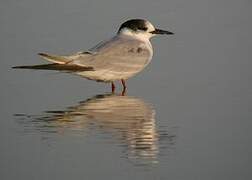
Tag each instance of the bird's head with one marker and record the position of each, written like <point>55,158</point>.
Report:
<point>141,28</point>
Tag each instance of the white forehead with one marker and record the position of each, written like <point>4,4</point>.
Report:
<point>150,26</point>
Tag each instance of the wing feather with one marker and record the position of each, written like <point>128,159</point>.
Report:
<point>117,54</point>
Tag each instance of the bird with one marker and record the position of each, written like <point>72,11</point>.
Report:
<point>116,59</point>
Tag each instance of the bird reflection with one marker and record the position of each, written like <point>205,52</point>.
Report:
<point>130,120</point>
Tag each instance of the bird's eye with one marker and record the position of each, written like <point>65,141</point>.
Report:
<point>143,28</point>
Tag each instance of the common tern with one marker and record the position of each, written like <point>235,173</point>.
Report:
<point>119,58</point>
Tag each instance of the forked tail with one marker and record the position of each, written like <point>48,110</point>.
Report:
<point>54,58</point>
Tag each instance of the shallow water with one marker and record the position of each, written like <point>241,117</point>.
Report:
<point>186,116</point>
<point>129,122</point>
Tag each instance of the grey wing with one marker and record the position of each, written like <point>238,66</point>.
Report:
<point>118,54</point>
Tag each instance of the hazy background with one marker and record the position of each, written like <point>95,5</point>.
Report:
<point>199,85</point>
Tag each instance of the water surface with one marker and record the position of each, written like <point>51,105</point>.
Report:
<point>186,116</point>
<point>129,122</point>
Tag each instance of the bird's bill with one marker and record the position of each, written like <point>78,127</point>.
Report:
<point>160,31</point>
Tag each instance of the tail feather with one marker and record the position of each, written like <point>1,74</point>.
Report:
<point>58,67</point>
<point>54,58</point>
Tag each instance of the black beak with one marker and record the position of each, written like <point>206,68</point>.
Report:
<point>160,31</point>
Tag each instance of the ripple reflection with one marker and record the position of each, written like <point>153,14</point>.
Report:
<point>129,119</point>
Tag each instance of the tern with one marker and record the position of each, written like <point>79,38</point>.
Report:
<point>119,58</point>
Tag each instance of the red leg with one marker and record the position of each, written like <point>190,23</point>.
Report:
<point>112,87</point>
<point>124,87</point>
<point>123,83</point>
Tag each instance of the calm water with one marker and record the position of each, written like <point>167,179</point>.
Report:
<point>187,116</point>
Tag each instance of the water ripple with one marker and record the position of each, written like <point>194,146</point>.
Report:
<point>129,119</point>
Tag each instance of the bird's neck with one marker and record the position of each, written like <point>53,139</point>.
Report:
<point>139,36</point>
